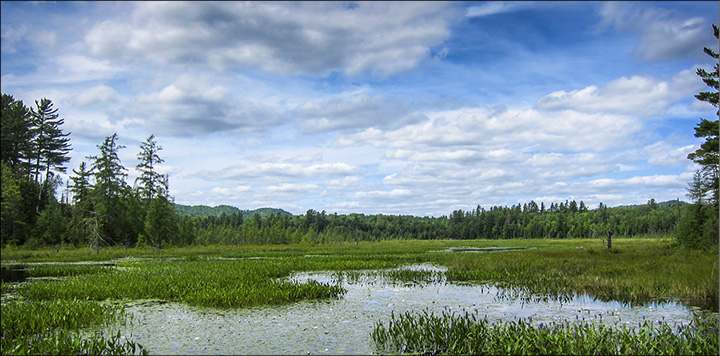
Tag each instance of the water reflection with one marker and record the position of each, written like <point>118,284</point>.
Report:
<point>344,325</point>
<point>13,274</point>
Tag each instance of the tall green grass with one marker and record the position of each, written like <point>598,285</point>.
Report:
<point>634,271</point>
<point>209,283</point>
<point>469,334</point>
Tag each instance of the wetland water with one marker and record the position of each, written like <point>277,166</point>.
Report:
<point>344,325</point>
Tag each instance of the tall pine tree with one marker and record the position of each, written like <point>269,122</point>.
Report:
<point>50,145</point>
<point>110,189</point>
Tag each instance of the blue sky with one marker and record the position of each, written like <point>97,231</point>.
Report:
<point>414,108</point>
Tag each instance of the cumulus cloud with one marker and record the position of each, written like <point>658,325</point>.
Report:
<point>522,129</point>
<point>559,147</point>
<point>193,105</point>
<point>664,34</point>
<point>355,112</point>
<point>636,95</point>
<point>380,38</point>
<point>95,95</point>
<point>666,155</point>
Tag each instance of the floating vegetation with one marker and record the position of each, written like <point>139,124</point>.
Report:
<point>468,333</point>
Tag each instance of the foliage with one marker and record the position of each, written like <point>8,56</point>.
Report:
<point>52,327</point>
<point>50,145</point>
<point>16,135</point>
<point>152,184</point>
<point>470,334</point>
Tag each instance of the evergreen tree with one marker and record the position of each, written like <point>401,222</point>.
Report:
<point>16,134</point>
<point>152,183</point>
<point>708,155</point>
<point>50,145</point>
<point>699,225</point>
<point>51,226</point>
<point>161,225</point>
<point>81,187</point>
<point>110,188</point>
<point>81,190</point>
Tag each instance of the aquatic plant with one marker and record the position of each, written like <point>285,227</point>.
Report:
<point>64,270</point>
<point>210,283</point>
<point>53,327</point>
<point>468,333</point>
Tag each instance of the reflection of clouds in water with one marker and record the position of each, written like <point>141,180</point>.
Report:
<point>344,325</point>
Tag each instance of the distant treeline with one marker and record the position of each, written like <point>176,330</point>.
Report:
<point>531,221</point>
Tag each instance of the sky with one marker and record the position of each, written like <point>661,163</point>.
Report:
<point>407,108</point>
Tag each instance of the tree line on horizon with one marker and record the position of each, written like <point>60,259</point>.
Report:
<point>106,210</point>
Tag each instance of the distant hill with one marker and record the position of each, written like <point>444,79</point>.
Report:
<point>203,210</point>
<point>664,204</point>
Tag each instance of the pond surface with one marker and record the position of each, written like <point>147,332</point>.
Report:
<point>344,325</point>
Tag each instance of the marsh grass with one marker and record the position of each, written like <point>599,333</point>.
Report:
<point>209,283</point>
<point>469,334</point>
<point>65,270</point>
<point>635,271</point>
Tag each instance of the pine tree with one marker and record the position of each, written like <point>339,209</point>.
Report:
<point>110,188</point>
<point>152,183</point>
<point>699,225</point>
<point>15,131</point>
<point>50,145</point>
<point>708,155</point>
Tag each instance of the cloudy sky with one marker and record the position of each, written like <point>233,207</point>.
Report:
<point>395,108</point>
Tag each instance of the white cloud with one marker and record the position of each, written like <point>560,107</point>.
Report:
<point>514,129</point>
<point>664,34</point>
<point>265,171</point>
<point>380,38</point>
<point>293,188</point>
<point>193,105</point>
<point>496,7</point>
<point>665,155</point>
<point>10,36</point>
<point>96,95</point>
<point>359,111</point>
<point>637,95</point>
